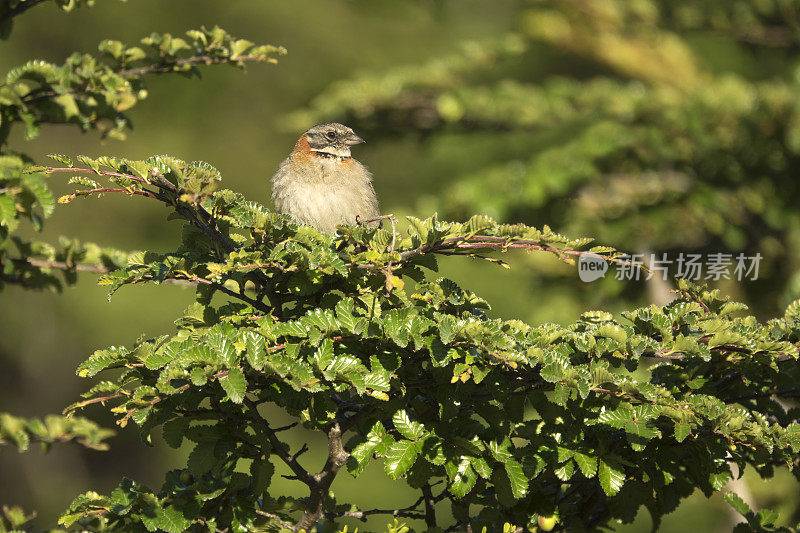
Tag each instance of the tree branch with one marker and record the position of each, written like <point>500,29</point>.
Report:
<point>337,457</point>
<point>430,506</point>
<point>278,447</point>
<point>276,518</point>
<point>94,269</point>
<point>163,68</point>
<point>405,512</point>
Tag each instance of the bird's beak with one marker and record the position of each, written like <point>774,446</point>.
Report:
<point>353,139</point>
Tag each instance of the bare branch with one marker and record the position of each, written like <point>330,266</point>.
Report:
<point>405,512</point>
<point>430,506</point>
<point>278,447</point>
<point>276,518</point>
<point>337,457</point>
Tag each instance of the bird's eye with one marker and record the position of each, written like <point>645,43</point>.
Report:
<point>331,135</point>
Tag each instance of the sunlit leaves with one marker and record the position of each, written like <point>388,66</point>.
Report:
<point>234,384</point>
<point>399,458</point>
<point>20,432</point>
<point>433,387</point>
<point>378,442</point>
<point>407,428</point>
<point>611,476</point>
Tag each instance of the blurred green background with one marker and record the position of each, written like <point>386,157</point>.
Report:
<point>654,126</point>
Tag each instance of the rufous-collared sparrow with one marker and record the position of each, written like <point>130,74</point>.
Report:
<point>321,185</point>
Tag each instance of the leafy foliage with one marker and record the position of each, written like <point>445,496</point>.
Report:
<point>508,424</point>
<point>92,93</point>
<point>506,421</point>
<point>653,125</point>
<point>14,519</point>
<point>20,432</point>
<point>27,198</point>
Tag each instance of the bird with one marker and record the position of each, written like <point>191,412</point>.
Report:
<point>321,185</point>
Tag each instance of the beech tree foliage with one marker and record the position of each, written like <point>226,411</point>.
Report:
<point>354,337</point>
<point>613,118</point>
<point>495,424</point>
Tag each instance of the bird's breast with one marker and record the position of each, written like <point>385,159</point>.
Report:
<point>325,192</point>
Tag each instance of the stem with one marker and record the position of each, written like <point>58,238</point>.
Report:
<point>276,518</point>
<point>337,457</point>
<point>430,506</point>
<point>278,447</point>
<point>194,60</point>
<point>405,512</point>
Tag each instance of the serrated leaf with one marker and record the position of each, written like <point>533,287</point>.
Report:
<point>234,384</point>
<point>201,459</point>
<point>407,428</point>
<point>255,349</point>
<point>171,520</point>
<point>400,456</point>
<point>682,430</point>
<point>586,464</point>
<point>174,430</point>
<point>519,483</point>
<point>464,478</point>
<point>611,477</point>
<point>737,503</point>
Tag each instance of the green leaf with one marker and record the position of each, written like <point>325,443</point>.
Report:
<point>255,349</point>
<point>448,327</point>
<point>464,478</point>
<point>378,442</point>
<point>682,430</point>
<point>323,357</point>
<point>407,428</point>
<point>396,326</point>
<point>586,464</point>
<point>519,483</point>
<point>234,384</point>
<point>201,459</point>
<point>482,467</point>
<point>36,184</point>
<point>174,430</point>
<point>501,450</point>
<point>224,348</point>
<point>171,520</point>
<point>737,503</point>
<point>399,458</point>
<point>612,477</point>
<point>8,210</point>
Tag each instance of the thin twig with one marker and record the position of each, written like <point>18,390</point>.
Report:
<point>194,60</point>
<point>278,447</point>
<point>276,518</point>
<point>94,269</point>
<point>430,506</point>
<point>405,512</point>
<point>300,452</point>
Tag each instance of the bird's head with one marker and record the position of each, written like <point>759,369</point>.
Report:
<point>332,139</point>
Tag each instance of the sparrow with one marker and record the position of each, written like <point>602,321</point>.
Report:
<point>321,185</point>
